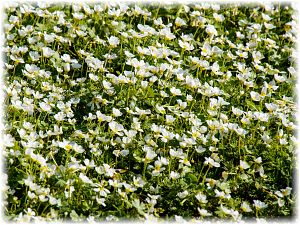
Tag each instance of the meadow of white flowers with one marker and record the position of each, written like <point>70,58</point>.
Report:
<point>155,112</point>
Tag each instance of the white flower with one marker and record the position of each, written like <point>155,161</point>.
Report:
<point>242,54</point>
<point>105,169</point>
<point>189,97</point>
<point>255,96</point>
<point>138,182</point>
<point>108,171</point>
<point>116,112</point>
<point>215,68</point>
<point>65,144</point>
<point>279,79</point>
<point>13,19</point>
<point>175,91</point>
<point>45,106</point>
<point>240,131</point>
<point>144,84</point>
<point>47,52</point>
<point>35,56</point>
<point>166,135</point>
<point>280,202</point>
<point>174,175</point>
<point>211,30</point>
<point>57,29</point>
<point>222,194</point>
<point>264,117</point>
<point>279,194</point>
<point>49,37</point>
<point>259,204</point>
<point>286,191</point>
<point>78,148</point>
<point>246,207</point>
<point>142,112</point>
<point>30,213</point>
<point>164,94</point>
<point>266,17</point>
<point>200,149</point>
<point>257,56</point>
<point>292,70</point>
<point>183,194</point>
<point>157,168</point>
<point>93,77</point>
<point>209,161</point>
<point>160,109</point>
<point>216,50</point>
<point>153,79</point>
<point>31,195</point>
<point>78,16</point>
<point>116,128</point>
<point>113,41</point>
<point>107,85</point>
<point>52,200</point>
<point>206,49</point>
<point>8,140</point>
<point>170,119</point>
<point>167,34</point>
<point>218,17</point>
<point>60,116</point>
<point>29,180</point>
<point>271,106</point>
<point>201,197</point>
<point>68,193</point>
<point>89,164</point>
<point>185,45</point>
<point>179,22</point>
<point>258,160</point>
<point>40,159</point>
<point>203,212</point>
<point>66,58</point>
<point>150,154</point>
<point>101,201</point>
<point>244,165</point>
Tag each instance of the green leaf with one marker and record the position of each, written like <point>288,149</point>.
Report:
<point>61,183</point>
<point>86,206</point>
<point>21,182</point>
<point>40,26</point>
<point>192,178</point>
<point>251,105</point>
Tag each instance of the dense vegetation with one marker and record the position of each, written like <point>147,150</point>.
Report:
<point>149,112</point>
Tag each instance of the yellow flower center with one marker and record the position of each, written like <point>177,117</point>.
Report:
<point>68,147</point>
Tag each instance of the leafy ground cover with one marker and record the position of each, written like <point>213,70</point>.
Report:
<point>149,112</point>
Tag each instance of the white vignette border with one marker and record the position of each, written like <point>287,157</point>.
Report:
<point>294,3</point>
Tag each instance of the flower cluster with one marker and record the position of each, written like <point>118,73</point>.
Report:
<point>149,112</point>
